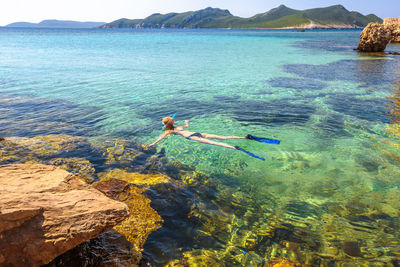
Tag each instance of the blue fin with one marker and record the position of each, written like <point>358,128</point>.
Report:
<point>249,153</point>
<point>263,140</point>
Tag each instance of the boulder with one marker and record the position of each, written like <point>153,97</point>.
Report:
<point>393,24</point>
<point>46,211</point>
<point>374,38</point>
<point>396,35</point>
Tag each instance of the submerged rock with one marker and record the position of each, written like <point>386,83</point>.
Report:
<point>43,148</point>
<point>374,38</point>
<point>352,248</point>
<point>143,219</point>
<point>278,262</point>
<point>79,166</point>
<point>49,145</point>
<point>45,211</point>
<point>65,151</point>
<point>135,178</point>
<point>232,256</point>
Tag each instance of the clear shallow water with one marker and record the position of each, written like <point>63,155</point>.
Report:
<point>328,105</point>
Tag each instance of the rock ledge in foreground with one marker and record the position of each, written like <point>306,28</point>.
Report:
<point>46,211</point>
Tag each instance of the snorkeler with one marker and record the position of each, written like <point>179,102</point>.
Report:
<point>169,128</point>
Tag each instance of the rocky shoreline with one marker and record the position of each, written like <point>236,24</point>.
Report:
<point>46,211</point>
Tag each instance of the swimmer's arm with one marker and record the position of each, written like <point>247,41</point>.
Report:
<point>186,124</point>
<point>158,139</point>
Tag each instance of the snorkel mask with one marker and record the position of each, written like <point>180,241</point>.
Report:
<point>165,125</point>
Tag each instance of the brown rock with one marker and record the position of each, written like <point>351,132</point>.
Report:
<point>396,35</point>
<point>374,38</point>
<point>45,211</point>
<point>393,24</point>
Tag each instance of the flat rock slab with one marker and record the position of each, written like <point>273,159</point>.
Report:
<point>46,211</point>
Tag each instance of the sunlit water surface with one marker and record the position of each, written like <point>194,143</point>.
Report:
<point>334,179</point>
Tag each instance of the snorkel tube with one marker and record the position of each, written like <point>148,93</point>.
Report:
<point>165,125</point>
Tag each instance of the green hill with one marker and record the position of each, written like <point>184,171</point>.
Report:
<point>282,16</point>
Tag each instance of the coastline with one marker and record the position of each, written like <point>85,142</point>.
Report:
<point>311,26</point>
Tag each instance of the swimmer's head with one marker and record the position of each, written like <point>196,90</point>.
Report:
<point>168,123</point>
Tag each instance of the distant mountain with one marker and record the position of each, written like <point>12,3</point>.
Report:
<point>57,24</point>
<point>22,24</point>
<point>281,17</point>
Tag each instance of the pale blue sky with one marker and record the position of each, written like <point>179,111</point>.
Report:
<point>109,10</point>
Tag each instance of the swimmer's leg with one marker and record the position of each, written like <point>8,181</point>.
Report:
<point>206,141</point>
<point>219,137</point>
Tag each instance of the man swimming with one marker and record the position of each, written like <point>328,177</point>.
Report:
<point>169,128</point>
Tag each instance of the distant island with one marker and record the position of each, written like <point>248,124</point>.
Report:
<point>281,17</point>
<point>56,24</point>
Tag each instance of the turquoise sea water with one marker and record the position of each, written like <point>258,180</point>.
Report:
<point>326,103</point>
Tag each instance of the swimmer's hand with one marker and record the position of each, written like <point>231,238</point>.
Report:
<point>147,146</point>
<point>186,124</point>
